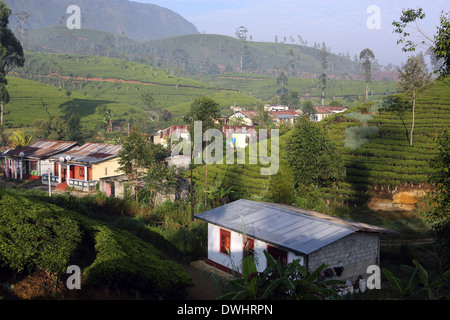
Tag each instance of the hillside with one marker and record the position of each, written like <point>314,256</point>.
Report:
<point>123,82</point>
<point>375,142</point>
<point>197,54</point>
<point>41,237</point>
<point>265,88</point>
<point>31,100</point>
<point>138,21</point>
<point>373,139</point>
<point>209,53</point>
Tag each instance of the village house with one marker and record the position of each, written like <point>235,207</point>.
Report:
<point>83,166</point>
<point>33,161</point>
<point>326,111</point>
<point>246,117</point>
<point>269,108</point>
<point>240,136</point>
<point>284,116</point>
<point>289,233</point>
<point>177,132</point>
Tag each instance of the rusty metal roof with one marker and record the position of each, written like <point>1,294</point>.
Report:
<point>41,149</point>
<point>294,229</point>
<point>90,153</point>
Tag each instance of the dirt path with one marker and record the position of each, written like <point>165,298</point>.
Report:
<point>204,287</point>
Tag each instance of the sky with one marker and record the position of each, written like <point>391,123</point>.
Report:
<point>342,24</point>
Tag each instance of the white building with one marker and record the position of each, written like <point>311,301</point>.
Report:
<point>289,233</point>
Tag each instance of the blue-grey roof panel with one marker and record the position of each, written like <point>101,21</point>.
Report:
<point>293,230</point>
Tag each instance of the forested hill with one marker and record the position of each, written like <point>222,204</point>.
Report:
<point>138,21</point>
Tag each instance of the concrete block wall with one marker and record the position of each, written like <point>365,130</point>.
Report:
<point>354,253</point>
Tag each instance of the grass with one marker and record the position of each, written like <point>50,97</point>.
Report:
<point>124,81</point>
<point>27,98</point>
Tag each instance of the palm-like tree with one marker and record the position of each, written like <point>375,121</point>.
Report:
<point>20,139</point>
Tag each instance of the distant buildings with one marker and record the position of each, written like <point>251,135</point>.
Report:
<point>64,163</point>
<point>326,111</point>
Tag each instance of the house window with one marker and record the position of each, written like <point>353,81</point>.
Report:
<point>249,246</point>
<point>106,171</point>
<point>81,172</point>
<point>278,254</point>
<point>225,241</point>
<point>33,165</point>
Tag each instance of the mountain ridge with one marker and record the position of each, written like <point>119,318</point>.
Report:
<point>138,21</point>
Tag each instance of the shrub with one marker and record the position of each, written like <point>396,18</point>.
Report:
<point>35,235</point>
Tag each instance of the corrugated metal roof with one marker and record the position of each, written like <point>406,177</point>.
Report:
<point>91,153</point>
<point>296,231</point>
<point>42,149</point>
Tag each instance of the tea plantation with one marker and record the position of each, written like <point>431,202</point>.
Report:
<point>374,141</point>
<point>36,234</point>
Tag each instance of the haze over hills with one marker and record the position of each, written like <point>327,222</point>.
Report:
<point>138,21</point>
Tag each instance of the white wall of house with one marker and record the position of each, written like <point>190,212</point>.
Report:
<point>44,166</point>
<point>354,253</point>
<point>233,261</point>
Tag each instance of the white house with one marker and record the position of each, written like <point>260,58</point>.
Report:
<point>284,116</point>
<point>289,233</point>
<point>240,136</point>
<point>247,117</point>
<point>326,111</point>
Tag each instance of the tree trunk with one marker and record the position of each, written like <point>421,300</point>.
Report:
<point>1,114</point>
<point>413,117</point>
<point>367,91</point>
<point>192,185</point>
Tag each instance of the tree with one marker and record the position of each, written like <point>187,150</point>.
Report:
<point>22,19</point>
<point>438,213</point>
<point>11,55</point>
<point>323,81</point>
<point>137,157</point>
<point>241,34</point>
<point>20,139</point>
<point>206,110</point>
<point>366,55</point>
<point>413,76</point>
<point>308,109</point>
<point>73,130</point>
<point>263,117</point>
<point>108,115</point>
<point>282,80</point>
<point>312,156</point>
<point>149,102</point>
<point>439,44</point>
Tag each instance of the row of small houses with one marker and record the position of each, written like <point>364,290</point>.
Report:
<point>64,163</point>
<point>283,115</point>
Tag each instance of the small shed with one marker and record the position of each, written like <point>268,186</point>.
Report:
<point>289,233</point>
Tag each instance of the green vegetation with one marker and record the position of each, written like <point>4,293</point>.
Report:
<point>293,281</point>
<point>33,100</point>
<point>41,233</point>
<point>374,140</point>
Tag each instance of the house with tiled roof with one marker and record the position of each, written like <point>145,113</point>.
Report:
<point>284,116</point>
<point>247,117</point>
<point>323,112</point>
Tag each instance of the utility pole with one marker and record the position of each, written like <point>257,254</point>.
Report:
<point>49,184</point>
